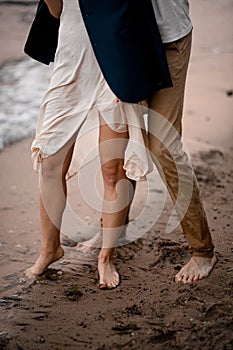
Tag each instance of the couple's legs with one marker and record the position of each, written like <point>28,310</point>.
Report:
<point>174,166</point>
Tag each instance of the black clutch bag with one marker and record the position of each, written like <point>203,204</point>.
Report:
<point>41,43</point>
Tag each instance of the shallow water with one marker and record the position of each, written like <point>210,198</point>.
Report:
<point>22,86</point>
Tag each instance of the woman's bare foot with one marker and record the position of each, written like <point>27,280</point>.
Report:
<point>196,269</point>
<point>108,275</point>
<point>44,260</point>
<point>90,245</point>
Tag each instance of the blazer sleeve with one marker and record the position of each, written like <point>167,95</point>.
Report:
<point>41,43</point>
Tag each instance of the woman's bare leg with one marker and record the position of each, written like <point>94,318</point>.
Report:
<point>116,201</point>
<point>52,204</point>
<point>95,242</point>
<point>90,245</point>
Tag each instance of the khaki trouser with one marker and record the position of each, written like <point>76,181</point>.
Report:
<point>169,156</point>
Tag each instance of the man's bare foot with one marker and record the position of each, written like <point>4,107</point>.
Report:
<point>108,275</point>
<point>43,262</point>
<point>196,269</point>
<point>90,245</point>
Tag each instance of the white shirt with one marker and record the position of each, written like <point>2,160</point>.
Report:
<point>173,19</point>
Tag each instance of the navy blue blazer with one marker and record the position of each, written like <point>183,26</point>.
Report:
<point>126,41</point>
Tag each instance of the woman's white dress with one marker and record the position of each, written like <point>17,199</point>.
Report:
<point>77,97</point>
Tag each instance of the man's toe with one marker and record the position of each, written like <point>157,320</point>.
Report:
<point>187,278</point>
<point>196,277</point>
<point>191,278</point>
<point>178,277</point>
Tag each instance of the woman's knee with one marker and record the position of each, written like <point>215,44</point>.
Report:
<point>112,172</point>
<point>58,163</point>
<point>54,166</point>
<point>50,168</point>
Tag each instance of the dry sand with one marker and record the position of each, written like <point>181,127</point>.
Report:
<point>65,308</point>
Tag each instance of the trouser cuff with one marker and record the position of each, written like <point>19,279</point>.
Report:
<point>204,254</point>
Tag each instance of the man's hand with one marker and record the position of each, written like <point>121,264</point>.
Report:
<point>55,7</point>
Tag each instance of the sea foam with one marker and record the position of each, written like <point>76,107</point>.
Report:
<point>22,86</point>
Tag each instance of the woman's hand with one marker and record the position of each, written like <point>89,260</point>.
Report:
<point>55,7</point>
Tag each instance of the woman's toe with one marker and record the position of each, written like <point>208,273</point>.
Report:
<point>103,285</point>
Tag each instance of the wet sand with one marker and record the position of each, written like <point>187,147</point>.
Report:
<point>65,308</point>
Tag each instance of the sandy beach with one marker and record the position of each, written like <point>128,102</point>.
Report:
<point>65,308</point>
